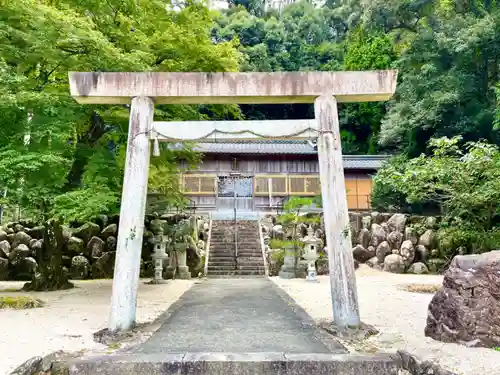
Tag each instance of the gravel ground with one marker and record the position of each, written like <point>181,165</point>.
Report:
<point>70,317</point>
<point>400,317</point>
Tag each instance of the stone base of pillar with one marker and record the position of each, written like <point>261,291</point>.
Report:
<point>184,273</point>
<point>311,277</point>
<point>287,275</point>
<point>288,270</point>
<point>169,273</point>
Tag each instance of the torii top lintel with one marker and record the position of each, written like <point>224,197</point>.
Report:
<point>229,88</point>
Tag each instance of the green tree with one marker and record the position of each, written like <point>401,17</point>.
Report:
<point>449,75</point>
<point>73,164</point>
<point>72,167</point>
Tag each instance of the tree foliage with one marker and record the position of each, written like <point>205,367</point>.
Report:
<point>461,180</point>
<point>73,162</point>
<point>446,52</point>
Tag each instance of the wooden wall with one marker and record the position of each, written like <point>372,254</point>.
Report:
<point>285,175</point>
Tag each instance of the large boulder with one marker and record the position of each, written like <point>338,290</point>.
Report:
<point>37,245</point>
<point>395,239</point>
<point>80,268</point>
<point>36,232</point>
<point>421,253</point>
<point>428,239</point>
<point>394,263</point>
<point>361,254</point>
<point>32,243</point>
<point>411,234</point>
<point>75,246</point>
<point>383,249</point>
<point>66,232</point>
<point>87,231</point>
<point>104,266</point>
<point>111,243</point>
<point>407,251</point>
<point>385,227</point>
<point>466,309</point>
<point>378,235</point>
<point>95,247</point>
<point>366,222</point>
<point>21,238</point>
<point>4,248</point>
<point>397,222</point>
<point>24,269</point>
<point>364,237</point>
<point>110,230</point>
<point>430,222</point>
<point>418,268</point>
<point>4,269</point>
<point>377,218</point>
<point>278,233</point>
<point>3,235</point>
<point>20,252</point>
<point>374,263</point>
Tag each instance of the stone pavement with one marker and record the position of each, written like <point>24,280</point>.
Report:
<point>237,327</point>
<point>238,316</point>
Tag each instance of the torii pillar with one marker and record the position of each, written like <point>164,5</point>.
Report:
<point>143,90</point>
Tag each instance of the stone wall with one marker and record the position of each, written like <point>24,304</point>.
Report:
<point>89,250</point>
<point>392,242</point>
<point>396,242</point>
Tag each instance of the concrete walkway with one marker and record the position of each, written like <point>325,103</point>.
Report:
<point>238,316</point>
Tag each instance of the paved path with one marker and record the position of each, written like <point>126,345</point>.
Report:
<point>234,315</point>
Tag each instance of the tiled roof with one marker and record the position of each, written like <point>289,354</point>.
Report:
<point>287,148</point>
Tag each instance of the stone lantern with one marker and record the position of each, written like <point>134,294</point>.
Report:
<point>311,243</point>
<point>159,255</point>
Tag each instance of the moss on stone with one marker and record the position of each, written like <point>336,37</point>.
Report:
<point>20,302</point>
<point>421,288</point>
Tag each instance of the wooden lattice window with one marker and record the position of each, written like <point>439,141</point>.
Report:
<point>199,184</point>
<point>305,185</point>
<point>358,191</point>
<point>276,185</point>
<point>279,185</point>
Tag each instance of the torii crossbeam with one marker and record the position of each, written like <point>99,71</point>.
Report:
<point>143,90</point>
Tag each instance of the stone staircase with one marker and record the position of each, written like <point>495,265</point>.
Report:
<point>222,258</point>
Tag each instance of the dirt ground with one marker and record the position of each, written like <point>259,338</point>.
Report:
<point>70,317</point>
<point>400,316</point>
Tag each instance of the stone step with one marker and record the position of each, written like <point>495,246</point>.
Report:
<point>231,250</point>
<point>249,231</point>
<point>236,268</point>
<point>231,238</point>
<point>236,272</point>
<point>235,277</point>
<point>249,254</point>
<point>251,259</point>
<point>231,260</point>
<point>237,363</point>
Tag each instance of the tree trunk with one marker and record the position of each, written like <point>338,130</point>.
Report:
<point>50,274</point>
<point>85,143</point>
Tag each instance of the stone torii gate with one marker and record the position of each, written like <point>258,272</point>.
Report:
<point>144,90</point>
